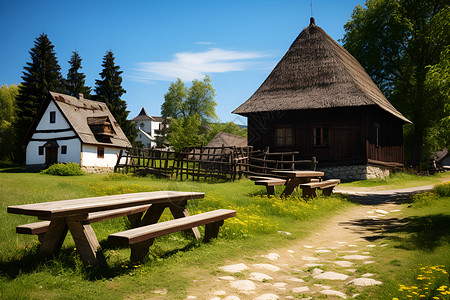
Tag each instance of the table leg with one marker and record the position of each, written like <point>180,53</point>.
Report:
<point>179,211</point>
<point>54,237</point>
<point>290,186</point>
<point>86,242</point>
<point>140,250</point>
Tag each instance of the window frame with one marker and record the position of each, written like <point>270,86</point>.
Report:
<point>284,140</point>
<point>52,117</point>
<point>321,136</point>
<point>100,152</point>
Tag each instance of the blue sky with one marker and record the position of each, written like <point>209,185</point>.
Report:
<point>236,42</point>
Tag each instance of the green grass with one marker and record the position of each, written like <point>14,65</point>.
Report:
<point>174,260</point>
<point>400,180</point>
<point>417,259</point>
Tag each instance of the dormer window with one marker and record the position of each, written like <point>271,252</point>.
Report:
<point>101,128</point>
<point>52,116</point>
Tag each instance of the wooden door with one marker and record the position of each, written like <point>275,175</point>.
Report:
<point>51,155</point>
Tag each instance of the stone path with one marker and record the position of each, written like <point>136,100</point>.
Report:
<point>328,264</point>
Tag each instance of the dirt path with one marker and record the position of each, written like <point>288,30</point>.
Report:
<point>327,264</point>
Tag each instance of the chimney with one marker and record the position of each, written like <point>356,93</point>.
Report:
<point>80,96</point>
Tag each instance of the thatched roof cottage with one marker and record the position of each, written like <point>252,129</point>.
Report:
<point>320,101</point>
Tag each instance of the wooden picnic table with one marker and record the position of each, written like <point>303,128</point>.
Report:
<point>295,178</point>
<point>72,215</point>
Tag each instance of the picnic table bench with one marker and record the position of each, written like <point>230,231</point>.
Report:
<point>290,178</point>
<point>40,228</point>
<point>268,182</point>
<point>327,186</point>
<point>77,214</point>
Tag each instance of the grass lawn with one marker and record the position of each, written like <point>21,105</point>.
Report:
<point>174,260</point>
<point>415,264</point>
<point>399,181</point>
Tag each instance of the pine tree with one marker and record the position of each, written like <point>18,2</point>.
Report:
<point>41,75</point>
<point>75,82</point>
<point>109,90</point>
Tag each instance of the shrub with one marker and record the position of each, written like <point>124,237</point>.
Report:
<point>443,189</point>
<point>67,169</point>
<point>425,199</point>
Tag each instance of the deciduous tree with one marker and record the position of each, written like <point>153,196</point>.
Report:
<point>192,107</point>
<point>7,115</point>
<point>394,41</point>
<point>198,99</point>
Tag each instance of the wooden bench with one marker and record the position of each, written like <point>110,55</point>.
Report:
<point>327,186</point>
<point>141,238</point>
<point>268,182</point>
<point>40,228</point>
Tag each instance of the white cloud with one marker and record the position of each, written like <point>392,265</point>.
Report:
<point>203,43</point>
<point>194,65</point>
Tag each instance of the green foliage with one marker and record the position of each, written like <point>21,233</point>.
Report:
<point>76,81</point>
<point>109,90</point>
<point>181,101</point>
<point>40,76</point>
<point>395,41</point>
<point>64,169</point>
<point>7,115</point>
<point>187,112</point>
<point>229,127</point>
<point>442,189</point>
<point>184,133</point>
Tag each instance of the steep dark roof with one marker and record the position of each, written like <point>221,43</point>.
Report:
<point>228,139</point>
<point>158,119</point>
<point>143,116</point>
<point>316,72</point>
<point>80,113</point>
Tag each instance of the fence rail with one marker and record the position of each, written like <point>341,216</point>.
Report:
<point>208,162</point>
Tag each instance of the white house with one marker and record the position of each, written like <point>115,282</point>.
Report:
<point>149,127</point>
<point>70,129</point>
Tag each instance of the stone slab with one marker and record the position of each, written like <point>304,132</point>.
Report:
<point>234,268</point>
<point>331,276</point>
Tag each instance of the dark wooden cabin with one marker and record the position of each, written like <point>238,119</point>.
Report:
<point>320,101</point>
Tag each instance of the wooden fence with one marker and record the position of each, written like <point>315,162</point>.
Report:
<point>264,162</point>
<point>194,162</point>
<point>208,162</point>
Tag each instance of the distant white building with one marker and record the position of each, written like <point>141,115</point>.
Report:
<point>149,127</point>
<point>70,129</point>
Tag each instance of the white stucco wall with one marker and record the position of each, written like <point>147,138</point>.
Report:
<point>40,138</point>
<point>72,155</point>
<point>89,156</point>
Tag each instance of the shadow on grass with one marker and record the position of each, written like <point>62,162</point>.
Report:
<point>30,261</point>
<point>413,233</point>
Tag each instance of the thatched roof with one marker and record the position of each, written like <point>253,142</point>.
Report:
<point>316,72</point>
<point>143,116</point>
<point>81,114</point>
<point>228,139</point>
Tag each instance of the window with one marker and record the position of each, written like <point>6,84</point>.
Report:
<point>142,125</point>
<point>63,149</point>
<point>41,150</point>
<point>100,152</point>
<point>377,134</point>
<point>52,116</point>
<point>284,136</point>
<point>321,137</point>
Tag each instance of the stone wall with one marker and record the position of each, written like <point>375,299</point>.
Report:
<point>358,172</point>
<point>97,170</point>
